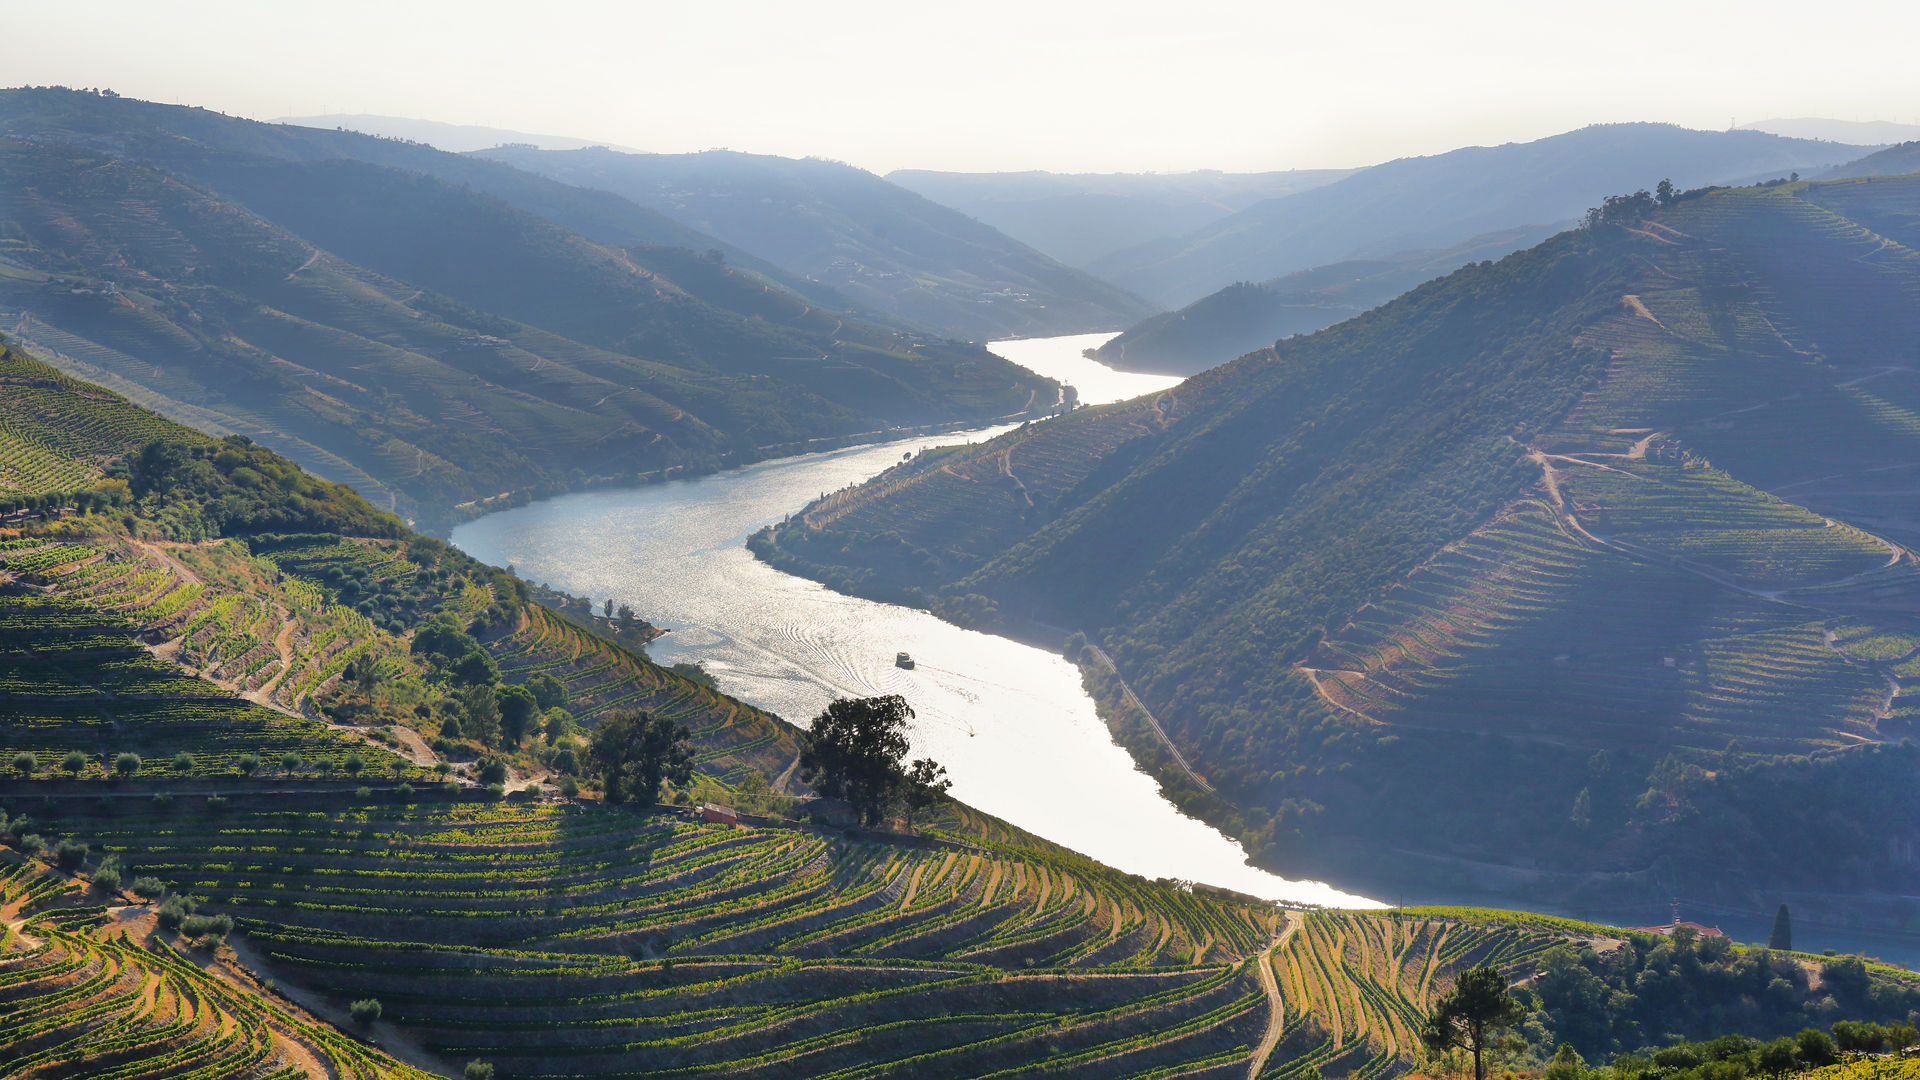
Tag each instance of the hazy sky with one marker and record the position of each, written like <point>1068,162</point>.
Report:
<point>1068,85</point>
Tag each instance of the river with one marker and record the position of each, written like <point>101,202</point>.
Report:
<point>1011,723</point>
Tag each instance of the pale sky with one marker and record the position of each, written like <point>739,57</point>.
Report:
<point>1066,85</point>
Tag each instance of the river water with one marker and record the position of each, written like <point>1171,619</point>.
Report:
<point>1018,735</point>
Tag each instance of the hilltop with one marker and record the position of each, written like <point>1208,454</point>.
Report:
<point>1439,201</point>
<point>1241,318</point>
<point>421,338</point>
<point>865,237</point>
<point>1616,530</point>
<point>1081,217</point>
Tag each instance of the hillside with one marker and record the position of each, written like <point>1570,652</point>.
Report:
<point>1893,161</point>
<point>1439,201</point>
<point>868,239</point>
<point>1079,217</point>
<point>1616,529</point>
<point>190,887</point>
<point>453,138</point>
<point>1241,318</point>
<point>433,345</point>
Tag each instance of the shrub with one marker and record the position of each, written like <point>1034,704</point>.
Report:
<point>496,792</point>
<point>106,876</point>
<point>70,855</point>
<point>183,762</point>
<point>147,887</point>
<point>492,771</point>
<point>569,788</point>
<point>247,764</point>
<point>126,765</point>
<point>290,762</point>
<point>365,1011</point>
<point>25,763</point>
<point>175,911</point>
<point>30,844</point>
<point>404,791</point>
<point>452,788</point>
<point>162,802</point>
<point>74,762</point>
<point>477,1070</point>
<point>363,793</point>
<point>216,803</point>
<point>205,926</point>
<point>442,768</point>
<point>355,764</point>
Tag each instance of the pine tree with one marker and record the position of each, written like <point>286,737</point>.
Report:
<point>1782,936</point>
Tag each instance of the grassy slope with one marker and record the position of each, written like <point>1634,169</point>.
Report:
<point>1330,566</point>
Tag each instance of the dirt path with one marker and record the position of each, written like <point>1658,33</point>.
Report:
<point>1134,700</point>
<point>1276,1005</point>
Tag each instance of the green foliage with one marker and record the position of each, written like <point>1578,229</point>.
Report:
<point>70,855</point>
<point>634,753</point>
<point>236,488</point>
<point>365,1011</point>
<point>854,751</point>
<point>1471,1014</point>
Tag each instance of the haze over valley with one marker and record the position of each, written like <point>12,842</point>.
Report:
<point>861,541</point>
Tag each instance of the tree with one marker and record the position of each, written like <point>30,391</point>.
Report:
<point>482,707</point>
<point>183,762</point>
<point>355,764</point>
<point>74,762</point>
<point>247,764</point>
<point>366,676</point>
<point>1582,815</point>
<point>1471,1013</point>
<point>477,1070</point>
<point>626,618</point>
<point>609,607</point>
<point>25,763</point>
<point>634,753</point>
<point>925,786</point>
<point>854,749</point>
<point>1665,193</point>
<point>476,668</point>
<point>126,764</point>
<point>291,761</point>
<point>365,1011</point>
<point>1782,936</point>
<point>559,724</point>
<point>548,691</point>
<point>70,855</point>
<point>519,714</point>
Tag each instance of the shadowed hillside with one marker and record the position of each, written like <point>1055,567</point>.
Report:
<point>1617,529</point>
<point>865,237</point>
<point>433,345</point>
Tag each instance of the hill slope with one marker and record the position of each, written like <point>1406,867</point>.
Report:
<point>1645,489</point>
<point>1893,161</point>
<point>1436,202</point>
<point>1241,318</point>
<point>869,239</point>
<point>1080,217</point>
<point>566,938</point>
<point>431,344</point>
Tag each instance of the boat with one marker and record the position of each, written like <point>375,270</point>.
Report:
<point>903,660</point>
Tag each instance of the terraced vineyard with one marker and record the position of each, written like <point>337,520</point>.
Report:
<point>94,991</point>
<point>554,941</point>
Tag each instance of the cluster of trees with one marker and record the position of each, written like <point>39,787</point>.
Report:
<point>477,705</point>
<point>95,500</point>
<point>856,750</point>
<point>196,490</point>
<point>1476,1014</point>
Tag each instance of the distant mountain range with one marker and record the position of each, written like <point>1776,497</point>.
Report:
<point>869,239</point>
<point>430,327</point>
<point>1585,576</point>
<point>453,138</point>
<point>1081,217</point>
<point>1896,160</point>
<point>1439,201</point>
<point>1858,132</point>
<point>1241,318</point>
